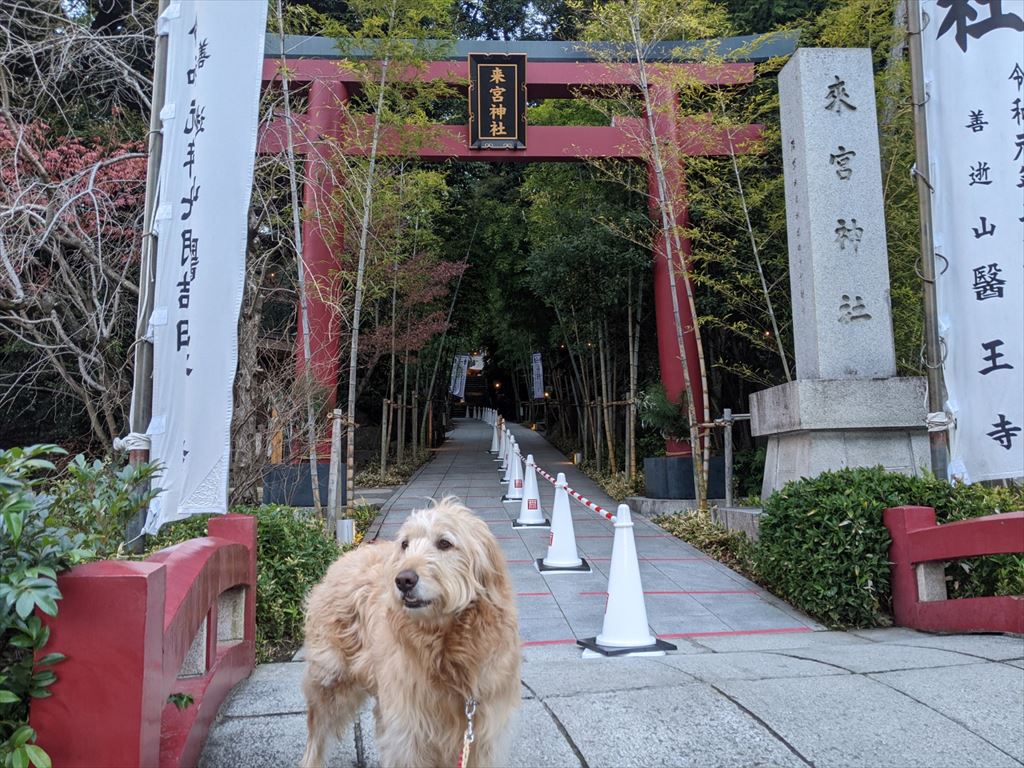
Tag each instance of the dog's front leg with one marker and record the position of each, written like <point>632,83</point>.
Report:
<point>331,707</point>
<point>403,745</point>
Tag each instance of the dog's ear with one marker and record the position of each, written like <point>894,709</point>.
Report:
<point>492,571</point>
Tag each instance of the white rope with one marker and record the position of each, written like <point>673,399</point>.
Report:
<point>939,421</point>
<point>133,441</point>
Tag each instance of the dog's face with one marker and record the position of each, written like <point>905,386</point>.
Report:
<point>445,559</point>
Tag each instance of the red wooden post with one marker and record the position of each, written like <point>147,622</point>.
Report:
<point>242,529</point>
<point>126,629</point>
<point>901,522</point>
<point>321,239</point>
<point>107,703</point>
<point>669,360</point>
<point>919,550</point>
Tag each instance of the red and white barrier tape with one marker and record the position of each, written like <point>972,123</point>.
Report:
<point>581,499</point>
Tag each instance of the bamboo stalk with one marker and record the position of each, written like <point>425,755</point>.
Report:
<point>314,475</point>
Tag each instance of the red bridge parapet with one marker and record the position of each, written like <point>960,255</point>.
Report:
<point>134,633</point>
<point>919,549</point>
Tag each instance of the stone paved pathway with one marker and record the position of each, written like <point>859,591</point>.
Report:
<point>753,682</point>
<point>688,593</point>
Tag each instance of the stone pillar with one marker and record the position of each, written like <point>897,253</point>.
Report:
<point>846,407</point>
<point>321,242</point>
<point>669,359</point>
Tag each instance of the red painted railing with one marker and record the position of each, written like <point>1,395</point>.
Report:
<point>180,622</point>
<point>919,549</point>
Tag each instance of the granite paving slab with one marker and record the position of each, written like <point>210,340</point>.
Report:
<point>984,698</point>
<point>850,720</point>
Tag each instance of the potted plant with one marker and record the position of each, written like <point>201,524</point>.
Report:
<point>671,477</point>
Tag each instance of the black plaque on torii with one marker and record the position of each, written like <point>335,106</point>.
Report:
<point>497,101</point>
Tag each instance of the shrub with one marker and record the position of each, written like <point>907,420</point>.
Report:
<point>697,528</point>
<point>396,474</point>
<point>824,548</point>
<point>32,552</point>
<point>658,412</point>
<point>99,498</point>
<point>618,485</point>
<point>748,472</point>
<point>292,554</point>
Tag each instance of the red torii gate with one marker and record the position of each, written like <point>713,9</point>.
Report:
<point>312,64</point>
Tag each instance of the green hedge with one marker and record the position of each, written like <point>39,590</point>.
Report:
<point>292,554</point>
<point>824,548</point>
<point>33,550</point>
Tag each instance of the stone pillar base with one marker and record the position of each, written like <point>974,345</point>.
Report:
<point>814,426</point>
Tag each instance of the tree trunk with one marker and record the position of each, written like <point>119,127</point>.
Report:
<point>415,411</point>
<point>608,410</point>
<point>673,245</point>
<point>580,421</point>
<point>400,449</point>
<point>246,458</point>
<point>357,305</point>
<point>314,475</point>
<point>385,426</point>
<point>598,407</point>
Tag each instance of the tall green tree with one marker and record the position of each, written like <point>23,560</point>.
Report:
<point>395,38</point>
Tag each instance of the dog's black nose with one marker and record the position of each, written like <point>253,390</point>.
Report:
<point>406,580</point>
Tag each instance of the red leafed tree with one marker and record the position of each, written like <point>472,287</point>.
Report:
<point>70,213</point>
<point>422,281</point>
<point>74,89</point>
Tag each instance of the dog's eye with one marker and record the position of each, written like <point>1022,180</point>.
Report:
<point>444,544</point>
<point>405,544</point>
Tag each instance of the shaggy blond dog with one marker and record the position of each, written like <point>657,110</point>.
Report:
<point>422,624</point>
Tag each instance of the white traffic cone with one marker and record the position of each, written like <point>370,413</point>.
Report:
<point>494,440</point>
<point>502,441</point>
<point>510,452</point>
<point>562,556</point>
<point>514,492</point>
<point>530,513</point>
<point>625,630</point>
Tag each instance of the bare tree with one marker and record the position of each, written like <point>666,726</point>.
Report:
<point>70,207</point>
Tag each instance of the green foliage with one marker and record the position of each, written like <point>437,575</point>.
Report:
<point>292,554</point>
<point>655,410</point>
<point>752,17</point>
<point>748,472</point>
<point>32,552</point>
<point>181,700</point>
<point>396,474</point>
<point>656,21</point>
<point>99,497</point>
<point>697,528</point>
<point>824,548</point>
<point>618,485</point>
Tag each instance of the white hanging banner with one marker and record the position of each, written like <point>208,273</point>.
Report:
<point>974,81</point>
<point>458,383</point>
<point>538,377</point>
<point>214,68</point>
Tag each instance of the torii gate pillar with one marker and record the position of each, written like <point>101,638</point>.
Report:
<point>670,362</point>
<point>321,233</point>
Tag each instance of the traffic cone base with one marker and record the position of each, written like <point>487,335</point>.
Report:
<point>594,650</point>
<point>541,524</point>
<point>583,567</point>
